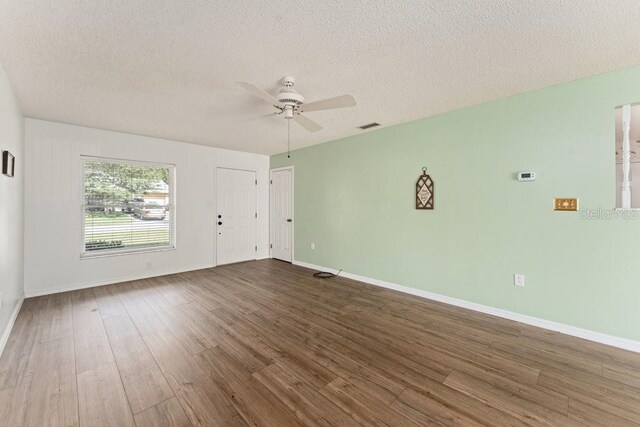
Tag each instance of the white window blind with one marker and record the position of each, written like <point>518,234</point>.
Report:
<point>127,207</point>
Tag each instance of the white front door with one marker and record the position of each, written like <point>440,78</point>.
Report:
<point>282,214</point>
<point>236,216</point>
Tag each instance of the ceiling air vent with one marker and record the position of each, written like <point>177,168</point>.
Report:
<point>369,125</point>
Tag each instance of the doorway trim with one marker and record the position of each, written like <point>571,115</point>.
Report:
<point>293,216</point>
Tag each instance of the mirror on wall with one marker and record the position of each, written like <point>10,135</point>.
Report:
<point>628,157</point>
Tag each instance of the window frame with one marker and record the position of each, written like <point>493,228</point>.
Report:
<point>84,254</point>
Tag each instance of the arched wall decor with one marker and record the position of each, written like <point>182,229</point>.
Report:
<point>424,191</point>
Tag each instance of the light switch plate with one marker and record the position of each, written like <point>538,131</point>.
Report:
<point>565,204</point>
<point>518,280</point>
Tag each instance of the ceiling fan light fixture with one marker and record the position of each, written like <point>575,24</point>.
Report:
<point>288,112</point>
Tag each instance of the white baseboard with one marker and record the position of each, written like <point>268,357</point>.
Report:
<point>598,337</point>
<point>111,281</point>
<point>12,321</point>
<point>93,284</point>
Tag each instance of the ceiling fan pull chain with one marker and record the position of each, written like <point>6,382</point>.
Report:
<point>288,139</point>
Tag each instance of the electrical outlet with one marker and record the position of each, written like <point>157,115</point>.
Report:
<point>313,246</point>
<point>148,266</point>
<point>518,280</point>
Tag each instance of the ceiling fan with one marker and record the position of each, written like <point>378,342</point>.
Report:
<point>290,103</point>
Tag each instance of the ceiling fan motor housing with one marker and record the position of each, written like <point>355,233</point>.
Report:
<point>289,96</point>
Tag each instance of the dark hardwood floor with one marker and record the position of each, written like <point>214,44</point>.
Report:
<point>264,343</point>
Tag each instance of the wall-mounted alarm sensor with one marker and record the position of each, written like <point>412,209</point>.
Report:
<point>526,176</point>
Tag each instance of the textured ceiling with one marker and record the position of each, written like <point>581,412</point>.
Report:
<point>166,68</point>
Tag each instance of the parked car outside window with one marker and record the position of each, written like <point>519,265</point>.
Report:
<point>150,212</point>
<point>131,205</point>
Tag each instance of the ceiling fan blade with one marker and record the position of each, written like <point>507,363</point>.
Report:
<point>307,123</point>
<point>263,116</point>
<point>255,90</point>
<point>329,103</point>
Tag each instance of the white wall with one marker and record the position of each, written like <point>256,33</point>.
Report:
<point>11,206</point>
<point>53,200</point>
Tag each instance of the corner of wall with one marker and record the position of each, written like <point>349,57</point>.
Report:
<point>12,128</point>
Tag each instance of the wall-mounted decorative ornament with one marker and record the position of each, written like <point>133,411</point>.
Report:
<point>424,191</point>
<point>8,164</point>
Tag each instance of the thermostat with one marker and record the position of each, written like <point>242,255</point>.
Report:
<point>526,176</point>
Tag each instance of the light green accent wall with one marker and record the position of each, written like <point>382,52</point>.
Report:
<point>354,198</point>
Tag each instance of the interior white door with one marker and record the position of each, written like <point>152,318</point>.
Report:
<point>282,214</point>
<point>236,216</point>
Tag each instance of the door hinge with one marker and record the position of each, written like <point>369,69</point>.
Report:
<point>256,182</point>
<point>256,248</point>
<point>256,214</point>
<point>271,245</point>
<point>271,182</point>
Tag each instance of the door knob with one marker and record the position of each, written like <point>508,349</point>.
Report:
<point>289,220</point>
<point>219,216</point>
<point>219,222</point>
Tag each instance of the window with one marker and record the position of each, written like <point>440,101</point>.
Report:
<point>128,207</point>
